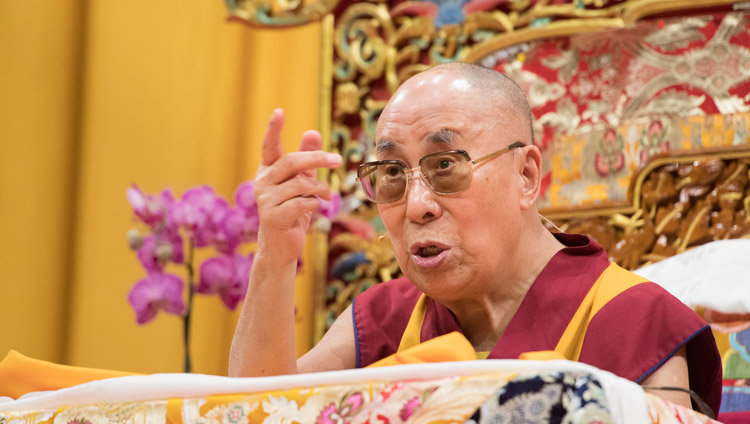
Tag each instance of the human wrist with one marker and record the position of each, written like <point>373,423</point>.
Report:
<point>278,263</point>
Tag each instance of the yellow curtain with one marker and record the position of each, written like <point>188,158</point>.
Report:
<point>95,95</point>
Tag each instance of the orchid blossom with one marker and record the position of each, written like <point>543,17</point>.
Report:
<point>200,212</point>
<point>156,292</point>
<point>205,219</point>
<point>150,209</point>
<point>330,208</point>
<point>227,276</point>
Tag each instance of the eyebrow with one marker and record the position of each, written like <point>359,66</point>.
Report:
<point>385,145</point>
<point>441,136</point>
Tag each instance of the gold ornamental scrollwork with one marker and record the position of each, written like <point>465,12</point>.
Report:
<point>279,13</point>
<point>362,41</point>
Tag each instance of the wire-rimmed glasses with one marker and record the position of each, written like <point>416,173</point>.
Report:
<point>449,172</point>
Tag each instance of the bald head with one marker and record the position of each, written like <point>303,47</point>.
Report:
<point>491,86</point>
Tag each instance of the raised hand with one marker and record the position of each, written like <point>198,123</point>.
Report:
<point>287,191</point>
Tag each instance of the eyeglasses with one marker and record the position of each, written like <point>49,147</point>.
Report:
<point>387,181</point>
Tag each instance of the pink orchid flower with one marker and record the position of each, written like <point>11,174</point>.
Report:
<point>156,251</point>
<point>148,257</point>
<point>200,212</point>
<point>244,197</point>
<point>330,208</point>
<point>150,209</point>
<point>227,276</point>
<point>236,227</point>
<point>154,293</point>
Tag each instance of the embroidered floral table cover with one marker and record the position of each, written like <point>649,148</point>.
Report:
<point>500,395</point>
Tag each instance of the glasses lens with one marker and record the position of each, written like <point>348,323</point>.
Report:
<point>447,172</point>
<point>383,182</point>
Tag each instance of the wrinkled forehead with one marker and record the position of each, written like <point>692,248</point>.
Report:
<point>437,119</point>
<point>443,138</point>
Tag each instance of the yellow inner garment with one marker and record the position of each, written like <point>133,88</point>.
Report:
<point>611,282</point>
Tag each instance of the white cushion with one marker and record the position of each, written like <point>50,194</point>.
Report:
<point>715,275</point>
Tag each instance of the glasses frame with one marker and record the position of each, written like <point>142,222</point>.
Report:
<point>410,171</point>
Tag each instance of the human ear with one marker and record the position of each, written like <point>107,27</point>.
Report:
<point>530,171</point>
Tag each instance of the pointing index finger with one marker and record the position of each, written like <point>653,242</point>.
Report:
<point>310,143</point>
<point>295,163</point>
<point>272,147</point>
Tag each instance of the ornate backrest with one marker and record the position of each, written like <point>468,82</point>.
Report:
<point>641,111</point>
<point>677,202</point>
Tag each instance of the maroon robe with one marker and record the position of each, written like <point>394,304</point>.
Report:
<point>631,336</point>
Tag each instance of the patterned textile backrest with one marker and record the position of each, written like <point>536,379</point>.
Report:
<point>606,102</point>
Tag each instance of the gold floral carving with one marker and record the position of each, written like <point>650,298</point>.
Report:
<point>677,203</point>
<point>278,13</point>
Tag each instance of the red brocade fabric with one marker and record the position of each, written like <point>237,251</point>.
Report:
<point>630,93</point>
<point>632,336</point>
<point>681,66</point>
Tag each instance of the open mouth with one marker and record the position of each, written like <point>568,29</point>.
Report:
<point>429,254</point>
<point>428,251</point>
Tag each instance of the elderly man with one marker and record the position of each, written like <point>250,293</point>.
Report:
<point>455,183</point>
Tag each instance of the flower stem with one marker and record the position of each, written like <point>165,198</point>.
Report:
<point>186,318</point>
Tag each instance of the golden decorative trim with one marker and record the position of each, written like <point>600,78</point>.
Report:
<point>636,185</point>
<point>554,29</point>
<point>320,240</point>
<point>618,16</point>
<point>634,11</point>
<point>326,85</point>
<point>279,13</point>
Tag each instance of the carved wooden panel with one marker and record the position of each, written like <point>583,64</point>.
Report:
<point>679,203</point>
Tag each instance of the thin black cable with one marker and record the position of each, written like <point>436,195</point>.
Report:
<point>702,406</point>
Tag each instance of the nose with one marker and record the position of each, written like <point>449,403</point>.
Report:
<point>421,203</point>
